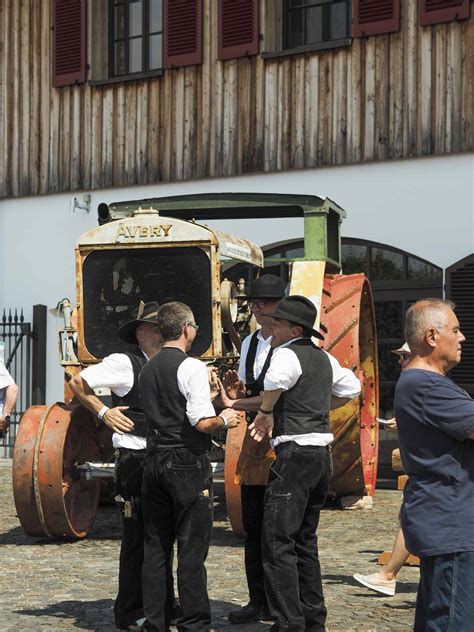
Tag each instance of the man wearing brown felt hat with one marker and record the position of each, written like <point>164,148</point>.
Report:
<point>119,372</point>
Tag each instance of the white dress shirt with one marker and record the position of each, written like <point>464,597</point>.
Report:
<point>115,372</point>
<point>263,348</point>
<point>5,380</point>
<point>193,383</point>
<point>344,382</point>
<point>285,370</point>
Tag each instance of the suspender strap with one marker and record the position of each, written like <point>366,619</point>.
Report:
<point>250,359</point>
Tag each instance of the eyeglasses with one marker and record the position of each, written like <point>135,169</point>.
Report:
<point>262,303</point>
<point>193,325</point>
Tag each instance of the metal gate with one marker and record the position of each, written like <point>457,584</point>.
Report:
<point>23,348</point>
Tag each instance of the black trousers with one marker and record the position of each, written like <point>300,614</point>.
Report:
<point>252,517</point>
<point>177,504</point>
<point>128,606</point>
<point>297,488</point>
<point>129,476</point>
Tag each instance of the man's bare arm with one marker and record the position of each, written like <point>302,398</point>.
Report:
<point>113,418</point>
<point>211,424</point>
<point>262,426</point>
<point>11,395</point>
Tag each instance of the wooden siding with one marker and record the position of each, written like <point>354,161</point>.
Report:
<point>390,96</point>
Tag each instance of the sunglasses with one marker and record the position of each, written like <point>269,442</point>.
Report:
<point>193,325</point>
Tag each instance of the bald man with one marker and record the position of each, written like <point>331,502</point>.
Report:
<point>435,420</point>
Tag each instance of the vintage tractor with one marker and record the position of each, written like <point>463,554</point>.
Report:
<point>155,250</point>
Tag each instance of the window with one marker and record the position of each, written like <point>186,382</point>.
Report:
<point>115,281</point>
<point>314,22</point>
<point>136,34</point>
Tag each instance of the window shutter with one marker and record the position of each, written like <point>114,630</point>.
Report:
<point>237,29</point>
<point>459,284</point>
<point>374,17</point>
<point>182,33</point>
<point>69,42</point>
<point>436,11</point>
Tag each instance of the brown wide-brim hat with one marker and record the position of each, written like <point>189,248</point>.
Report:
<point>145,313</point>
<point>403,350</point>
<point>300,310</point>
<point>267,286</point>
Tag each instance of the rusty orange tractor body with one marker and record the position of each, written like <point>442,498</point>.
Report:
<point>160,253</point>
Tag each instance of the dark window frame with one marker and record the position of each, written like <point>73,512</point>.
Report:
<point>306,46</point>
<point>145,36</point>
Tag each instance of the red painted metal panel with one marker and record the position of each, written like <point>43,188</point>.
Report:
<point>182,33</point>
<point>437,11</point>
<point>374,17</point>
<point>69,42</point>
<point>237,28</point>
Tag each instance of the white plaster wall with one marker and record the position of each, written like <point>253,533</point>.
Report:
<point>424,206</point>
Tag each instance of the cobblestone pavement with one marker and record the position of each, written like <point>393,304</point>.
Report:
<point>71,585</point>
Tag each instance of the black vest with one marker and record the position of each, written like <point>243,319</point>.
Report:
<point>165,405</point>
<point>254,385</point>
<point>132,398</point>
<point>305,407</point>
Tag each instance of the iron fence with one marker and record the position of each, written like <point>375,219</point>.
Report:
<point>15,338</point>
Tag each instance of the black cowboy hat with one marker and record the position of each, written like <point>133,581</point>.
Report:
<point>144,313</point>
<point>299,310</point>
<point>267,286</point>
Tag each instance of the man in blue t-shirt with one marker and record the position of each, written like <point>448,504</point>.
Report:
<point>435,420</point>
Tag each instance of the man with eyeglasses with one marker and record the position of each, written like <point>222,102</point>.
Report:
<point>255,458</point>
<point>177,482</point>
<point>119,372</point>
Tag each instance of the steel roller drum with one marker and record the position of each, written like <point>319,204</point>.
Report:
<point>51,498</point>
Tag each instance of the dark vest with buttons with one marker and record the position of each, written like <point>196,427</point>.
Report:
<point>132,398</point>
<point>165,405</point>
<point>254,385</point>
<point>304,408</point>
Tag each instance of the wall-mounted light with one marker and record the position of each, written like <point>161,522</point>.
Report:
<point>85,205</point>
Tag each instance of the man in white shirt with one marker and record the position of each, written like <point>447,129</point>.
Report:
<point>177,482</point>
<point>8,397</point>
<point>295,414</point>
<point>254,462</point>
<point>119,372</point>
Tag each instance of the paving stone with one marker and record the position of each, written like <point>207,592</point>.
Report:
<point>72,585</point>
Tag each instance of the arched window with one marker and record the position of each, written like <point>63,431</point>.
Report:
<point>398,279</point>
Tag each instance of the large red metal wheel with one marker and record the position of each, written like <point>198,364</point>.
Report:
<point>233,447</point>
<point>51,497</point>
<point>348,325</point>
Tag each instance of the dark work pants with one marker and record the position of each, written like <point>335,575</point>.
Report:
<point>129,475</point>
<point>252,517</point>
<point>297,488</point>
<point>177,504</point>
<point>128,606</point>
<point>445,600</point>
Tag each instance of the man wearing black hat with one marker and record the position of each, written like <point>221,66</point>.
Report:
<point>119,372</point>
<point>295,413</point>
<point>252,468</point>
<point>255,459</point>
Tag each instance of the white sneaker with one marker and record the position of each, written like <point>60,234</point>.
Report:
<point>375,582</point>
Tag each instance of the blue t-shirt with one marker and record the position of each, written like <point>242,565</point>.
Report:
<point>434,418</point>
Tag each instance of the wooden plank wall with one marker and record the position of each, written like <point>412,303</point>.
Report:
<point>390,96</point>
